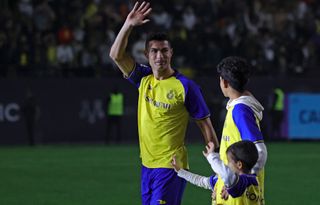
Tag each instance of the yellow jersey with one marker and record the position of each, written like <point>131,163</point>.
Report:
<point>242,122</point>
<point>164,107</point>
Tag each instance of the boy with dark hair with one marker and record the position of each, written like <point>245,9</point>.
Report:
<point>236,71</point>
<point>243,117</point>
<point>242,186</point>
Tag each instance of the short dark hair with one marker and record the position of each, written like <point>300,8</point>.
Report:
<point>236,71</point>
<point>158,36</point>
<point>246,152</point>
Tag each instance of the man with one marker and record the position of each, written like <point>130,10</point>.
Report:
<point>277,112</point>
<point>242,121</point>
<point>166,100</point>
<point>115,109</point>
<point>31,113</point>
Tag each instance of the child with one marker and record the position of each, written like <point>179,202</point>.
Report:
<point>242,186</point>
<point>243,117</point>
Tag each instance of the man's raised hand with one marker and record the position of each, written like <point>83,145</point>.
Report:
<point>138,14</point>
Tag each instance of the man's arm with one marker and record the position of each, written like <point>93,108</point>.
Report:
<point>118,53</point>
<point>208,131</point>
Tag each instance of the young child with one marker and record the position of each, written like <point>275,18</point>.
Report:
<point>242,186</point>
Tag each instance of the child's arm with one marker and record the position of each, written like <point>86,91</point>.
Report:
<point>227,175</point>
<point>200,181</point>
<point>262,151</point>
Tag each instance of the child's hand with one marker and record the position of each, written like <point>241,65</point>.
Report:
<point>210,148</point>
<point>224,193</point>
<point>174,163</point>
<point>214,195</point>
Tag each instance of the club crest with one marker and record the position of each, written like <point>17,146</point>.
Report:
<point>170,94</point>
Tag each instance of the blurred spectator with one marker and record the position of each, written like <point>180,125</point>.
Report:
<point>115,110</point>
<point>4,47</point>
<point>31,114</point>
<point>91,10</point>
<point>51,54</point>
<point>189,18</point>
<point>161,17</point>
<point>43,16</point>
<point>65,51</point>
<point>138,50</point>
<point>65,35</point>
<point>25,7</point>
<point>24,57</point>
<point>277,112</point>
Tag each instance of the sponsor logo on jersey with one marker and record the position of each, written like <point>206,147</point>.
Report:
<point>157,103</point>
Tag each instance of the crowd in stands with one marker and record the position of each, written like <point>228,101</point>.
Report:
<point>58,38</point>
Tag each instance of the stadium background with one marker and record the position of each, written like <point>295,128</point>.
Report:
<point>58,51</point>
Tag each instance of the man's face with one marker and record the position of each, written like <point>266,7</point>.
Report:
<point>159,55</point>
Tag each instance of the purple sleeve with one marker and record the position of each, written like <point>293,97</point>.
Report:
<point>246,123</point>
<point>194,100</point>
<point>213,181</point>
<point>138,73</point>
<point>243,182</point>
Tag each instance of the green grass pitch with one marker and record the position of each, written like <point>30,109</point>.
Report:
<point>99,175</point>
